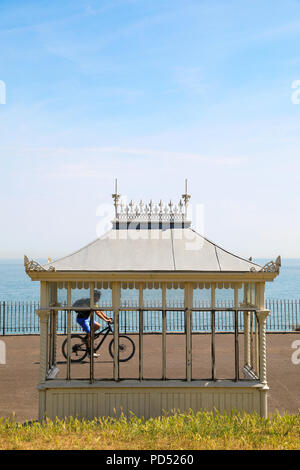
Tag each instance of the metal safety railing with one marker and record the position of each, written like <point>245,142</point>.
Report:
<point>20,317</point>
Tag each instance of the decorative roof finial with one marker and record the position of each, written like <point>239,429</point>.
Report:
<point>186,197</point>
<point>116,198</point>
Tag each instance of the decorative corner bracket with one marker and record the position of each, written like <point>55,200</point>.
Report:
<point>271,266</point>
<point>35,266</point>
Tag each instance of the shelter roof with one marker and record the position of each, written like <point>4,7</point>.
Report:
<point>171,249</point>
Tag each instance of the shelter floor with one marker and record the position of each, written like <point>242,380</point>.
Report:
<point>20,375</point>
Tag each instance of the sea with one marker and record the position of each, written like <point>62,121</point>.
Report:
<point>16,286</point>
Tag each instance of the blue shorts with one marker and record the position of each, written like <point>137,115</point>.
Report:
<point>85,324</point>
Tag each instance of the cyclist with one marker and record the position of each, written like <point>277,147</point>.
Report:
<point>84,316</point>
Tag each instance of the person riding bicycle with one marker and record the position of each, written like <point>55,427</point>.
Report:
<point>84,316</point>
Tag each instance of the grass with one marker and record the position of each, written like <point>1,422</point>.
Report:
<point>187,431</point>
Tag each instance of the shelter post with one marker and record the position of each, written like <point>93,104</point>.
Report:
<point>164,331</point>
<point>262,317</point>
<point>236,331</point>
<point>188,305</point>
<point>44,326</point>
<point>213,328</point>
<point>141,330</point>
<point>53,325</point>
<point>43,314</point>
<point>246,327</point>
<point>116,301</point>
<point>92,305</point>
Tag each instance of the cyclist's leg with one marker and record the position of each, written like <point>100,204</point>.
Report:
<point>87,329</point>
<point>96,326</point>
<point>85,325</point>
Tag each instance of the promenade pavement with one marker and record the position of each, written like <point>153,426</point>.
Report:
<point>20,375</point>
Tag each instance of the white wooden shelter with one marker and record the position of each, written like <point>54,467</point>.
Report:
<point>154,246</point>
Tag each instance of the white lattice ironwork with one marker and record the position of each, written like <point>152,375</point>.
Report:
<point>151,212</point>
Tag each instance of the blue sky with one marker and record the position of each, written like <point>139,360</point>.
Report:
<point>151,92</point>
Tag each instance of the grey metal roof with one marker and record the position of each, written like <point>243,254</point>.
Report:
<point>172,249</point>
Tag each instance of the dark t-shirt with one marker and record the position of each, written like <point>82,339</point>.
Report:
<point>83,303</point>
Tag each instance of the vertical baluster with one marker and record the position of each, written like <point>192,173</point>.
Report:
<point>26,317</point>
<point>92,305</point>
<point>18,314</point>
<point>164,337</point>
<point>285,315</point>
<point>141,331</point>
<point>13,326</point>
<point>256,323</point>
<point>8,316</point>
<point>213,374</point>
<point>116,309</point>
<point>32,315</point>
<point>29,314</point>
<point>69,332</point>
<point>236,332</point>
<point>22,317</point>
<point>151,322</point>
<point>251,339</point>
<point>4,319</point>
<point>188,304</point>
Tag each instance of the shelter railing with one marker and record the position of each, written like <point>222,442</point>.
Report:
<point>246,362</point>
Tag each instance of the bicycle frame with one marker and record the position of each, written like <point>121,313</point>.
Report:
<point>108,330</point>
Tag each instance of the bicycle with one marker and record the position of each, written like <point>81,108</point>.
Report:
<point>79,346</point>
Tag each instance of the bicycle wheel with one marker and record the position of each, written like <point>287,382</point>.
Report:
<point>78,348</point>
<point>126,348</point>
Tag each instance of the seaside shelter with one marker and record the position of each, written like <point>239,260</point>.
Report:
<point>168,289</point>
